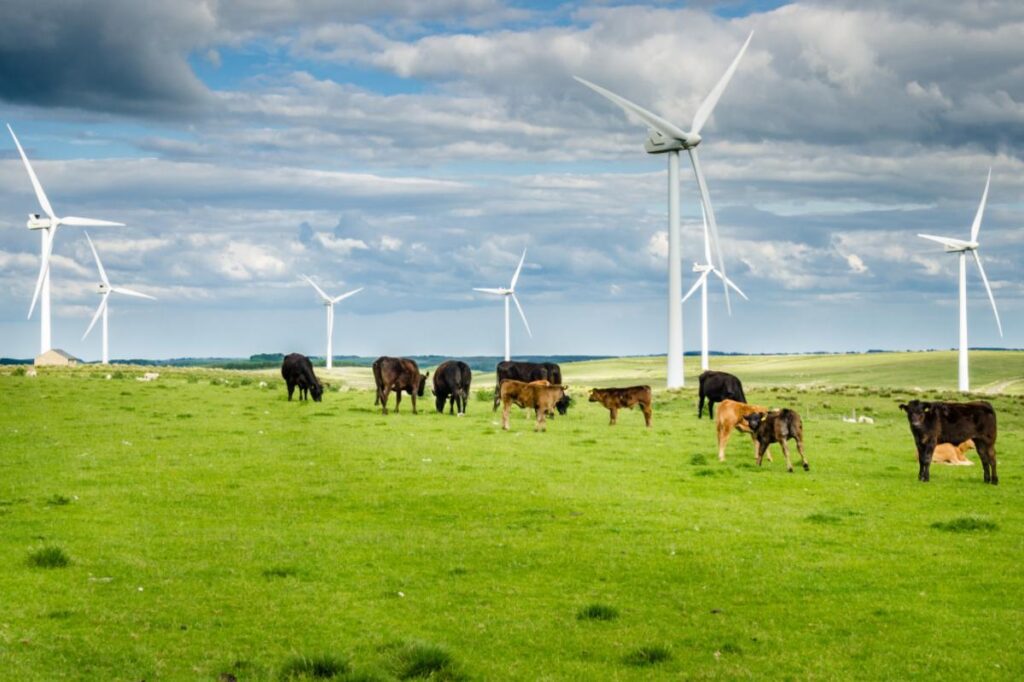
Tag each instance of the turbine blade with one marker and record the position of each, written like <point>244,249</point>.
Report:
<point>707,238</point>
<point>318,290</point>
<point>992,300</point>
<point>40,194</point>
<point>130,292</point>
<point>710,213</point>
<point>657,122</point>
<point>499,292</point>
<point>344,296</point>
<point>99,265</point>
<point>44,266</point>
<point>708,105</point>
<point>515,277</point>
<point>99,311</point>
<point>88,222</point>
<point>522,315</point>
<point>976,226</point>
<point>730,283</point>
<point>955,244</point>
<point>696,285</point>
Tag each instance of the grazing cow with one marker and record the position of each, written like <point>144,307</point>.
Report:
<point>616,398</point>
<point>778,427</point>
<point>397,374</point>
<point>297,370</point>
<point>947,453</point>
<point>539,396</point>
<point>716,387</point>
<point>451,382</point>
<point>732,415</point>
<point>942,422</point>
<point>527,372</point>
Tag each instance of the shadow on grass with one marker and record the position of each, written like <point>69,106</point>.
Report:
<point>965,524</point>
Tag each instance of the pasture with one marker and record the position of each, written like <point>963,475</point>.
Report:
<point>201,527</point>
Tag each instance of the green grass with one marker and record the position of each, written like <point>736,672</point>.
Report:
<point>255,534</point>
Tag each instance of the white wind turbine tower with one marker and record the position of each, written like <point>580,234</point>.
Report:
<point>666,137</point>
<point>47,226</point>
<point>510,293</point>
<point>105,290</point>
<point>961,247</point>
<point>329,304</point>
<point>706,269</point>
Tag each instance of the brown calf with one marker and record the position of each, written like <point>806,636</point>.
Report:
<point>540,397</point>
<point>947,453</point>
<point>778,427</point>
<point>617,398</point>
<point>731,415</point>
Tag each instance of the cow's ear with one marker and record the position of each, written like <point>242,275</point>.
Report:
<point>903,407</point>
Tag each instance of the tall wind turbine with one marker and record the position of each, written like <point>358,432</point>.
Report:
<point>47,226</point>
<point>105,290</point>
<point>329,304</point>
<point>961,247</point>
<point>706,269</point>
<point>510,293</point>
<point>666,137</point>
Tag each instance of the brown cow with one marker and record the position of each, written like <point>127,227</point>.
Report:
<point>538,396</point>
<point>778,427</point>
<point>397,374</point>
<point>616,398</point>
<point>932,423</point>
<point>732,415</point>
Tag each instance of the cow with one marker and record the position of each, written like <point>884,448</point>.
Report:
<point>932,423</point>
<point>778,426</point>
<point>539,396</point>
<point>297,370</point>
<point>451,382</point>
<point>527,372</point>
<point>616,398</point>
<point>716,387</point>
<point>947,453</point>
<point>397,374</point>
<point>732,415</point>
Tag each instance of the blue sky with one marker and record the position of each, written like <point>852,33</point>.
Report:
<point>416,148</point>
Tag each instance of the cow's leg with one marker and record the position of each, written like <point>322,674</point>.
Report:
<point>497,396</point>
<point>384,395</point>
<point>413,395</point>
<point>647,414</point>
<point>924,460</point>
<point>800,449</point>
<point>785,451</point>
<point>761,449</point>
<point>987,455</point>
<point>398,398</point>
<point>542,421</point>
<point>291,390</point>
<point>505,410</point>
<point>700,406</point>
<point>724,431</point>
<point>711,408</point>
<point>614,413</point>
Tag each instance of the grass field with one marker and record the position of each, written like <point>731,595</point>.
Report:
<point>201,527</point>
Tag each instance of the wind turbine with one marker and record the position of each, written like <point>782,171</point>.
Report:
<point>706,269</point>
<point>666,137</point>
<point>105,290</point>
<point>329,304</point>
<point>510,293</point>
<point>961,247</point>
<point>48,226</point>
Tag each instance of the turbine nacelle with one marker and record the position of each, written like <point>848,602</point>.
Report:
<point>102,289</point>
<point>38,222</point>
<point>657,143</point>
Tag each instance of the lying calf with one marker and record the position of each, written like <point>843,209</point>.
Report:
<point>947,453</point>
<point>778,427</point>
<point>617,398</point>
<point>732,415</point>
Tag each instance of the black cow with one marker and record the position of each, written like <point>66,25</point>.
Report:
<point>397,374</point>
<point>943,422</point>
<point>527,372</point>
<point>716,387</point>
<point>297,370</point>
<point>451,382</point>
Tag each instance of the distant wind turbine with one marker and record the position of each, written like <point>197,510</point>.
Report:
<point>666,137</point>
<point>961,247</point>
<point>47,226</point>
<point>707,268</point>
<point>329,304</point>
<point>510,293</point>
<point>105,290</point>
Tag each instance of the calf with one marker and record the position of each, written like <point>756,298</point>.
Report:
<point>616,398</point>
<point>538,396</point>
<point>528,371</point>
<point>297,370</point>
<point>732,415</point>
<point>778,427</point>
<point>947,453</point>
<point>932,423</point>
<point>716,387</point>
<point>397,374</point>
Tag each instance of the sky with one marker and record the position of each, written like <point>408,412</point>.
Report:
<point>416,148</point>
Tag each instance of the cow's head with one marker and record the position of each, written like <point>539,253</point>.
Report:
<point>423,384</point>
<point>754,419</point>
<point>917,412</point>
<point>564,402</point>
<point>317,391</point>
<point>594,397</point>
